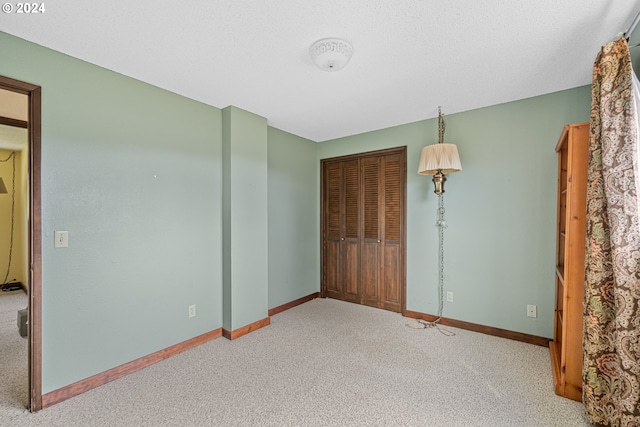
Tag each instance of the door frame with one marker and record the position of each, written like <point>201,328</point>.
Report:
<point>403,253</point>
<point>34,128</point>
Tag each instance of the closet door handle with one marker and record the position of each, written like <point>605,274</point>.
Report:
<point>378,240</point>
<point>342,238</point>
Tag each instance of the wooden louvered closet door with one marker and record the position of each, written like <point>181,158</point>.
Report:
<point>363,205</point>
<point>342,193</point>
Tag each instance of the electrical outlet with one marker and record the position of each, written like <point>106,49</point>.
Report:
<point>192,311</point>
<point>449,296</point>
<point>532,311</point>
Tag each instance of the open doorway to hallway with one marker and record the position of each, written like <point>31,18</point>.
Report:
<point>14,245</point>
<point>20,244</point>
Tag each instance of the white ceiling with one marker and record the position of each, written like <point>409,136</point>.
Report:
<point>409,55</point>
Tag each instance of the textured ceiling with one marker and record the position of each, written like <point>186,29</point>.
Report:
<point>409,55</point>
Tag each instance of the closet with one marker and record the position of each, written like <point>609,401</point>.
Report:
<point>363,228</point>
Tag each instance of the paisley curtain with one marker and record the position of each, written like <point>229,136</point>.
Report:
<point>611,365</point>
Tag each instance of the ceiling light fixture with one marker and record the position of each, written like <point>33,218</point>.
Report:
<point>331,54</point>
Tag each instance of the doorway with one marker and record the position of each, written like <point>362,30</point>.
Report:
<point>34,239</point>
<point>364,228</point>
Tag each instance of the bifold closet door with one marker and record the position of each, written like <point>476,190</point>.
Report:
<point>373,197</point>
<point>363,236</point>
<point>342,194</point>
<point>382,230</point>
<point>393,173</point>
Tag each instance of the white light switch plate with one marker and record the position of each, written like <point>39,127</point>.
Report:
<point>61,239</point>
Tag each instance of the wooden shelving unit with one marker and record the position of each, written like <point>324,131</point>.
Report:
<point>566,348</point>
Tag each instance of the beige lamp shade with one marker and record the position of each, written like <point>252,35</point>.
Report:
<point>3,189</point>
<point>443,157</point>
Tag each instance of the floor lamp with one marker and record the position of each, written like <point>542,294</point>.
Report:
<point>439,160</point>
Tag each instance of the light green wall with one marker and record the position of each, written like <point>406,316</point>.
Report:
<point>294,215</point>
<point>245,222</point>
<point>500,209</point>
<point>134,174</point>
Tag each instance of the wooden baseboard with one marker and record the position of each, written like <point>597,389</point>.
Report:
<point>97,380</point>
<point>489,330</point>
<point>237,333</point>
<point>291,304</point>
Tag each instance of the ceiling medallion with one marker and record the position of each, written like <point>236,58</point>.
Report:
<point>331,54</point>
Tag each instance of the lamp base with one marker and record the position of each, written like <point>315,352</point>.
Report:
<point>438,182</point>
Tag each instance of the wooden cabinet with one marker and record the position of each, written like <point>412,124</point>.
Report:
<point>363,211</point>
<point>566,348</point>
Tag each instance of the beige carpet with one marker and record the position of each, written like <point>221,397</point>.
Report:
<point>329,363</point>
<point>14,394</point>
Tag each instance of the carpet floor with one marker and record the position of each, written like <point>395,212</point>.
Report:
<point>326,363</point>
<point>14,393</point>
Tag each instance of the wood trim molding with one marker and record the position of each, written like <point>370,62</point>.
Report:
<point>97,380</point>
<point>374,153</point>
<point>35,250</point>
<point>13,122</point>
<point>237,333</point>
<point>291,304</point>
<point>488,330</point>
